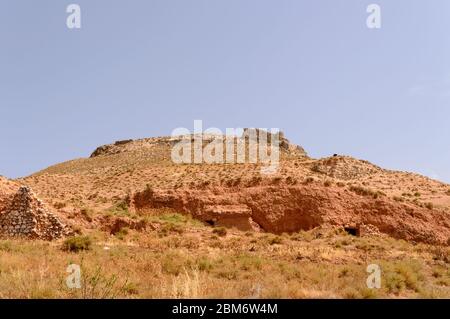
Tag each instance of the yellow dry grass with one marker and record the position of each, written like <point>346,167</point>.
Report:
<point>190,261</point>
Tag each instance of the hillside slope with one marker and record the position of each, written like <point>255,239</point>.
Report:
<point>137,177</point>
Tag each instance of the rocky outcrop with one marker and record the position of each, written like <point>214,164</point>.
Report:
<point>111,148</point>
<point>27,217</point>
<point>284,143</point>
<point>168,141</point>
<point>344,167</point>
<point>281,209</point>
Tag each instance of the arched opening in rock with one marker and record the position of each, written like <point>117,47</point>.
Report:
<point>210,222</point>
<point>354,231</point>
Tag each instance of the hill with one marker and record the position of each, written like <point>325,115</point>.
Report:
<point>150,228</point>
<point>138,176</point>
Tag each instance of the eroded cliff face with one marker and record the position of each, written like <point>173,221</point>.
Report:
<point>281,209</point>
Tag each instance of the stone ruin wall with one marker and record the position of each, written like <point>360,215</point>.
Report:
<point>27,217</point>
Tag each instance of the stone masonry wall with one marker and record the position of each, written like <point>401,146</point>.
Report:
<point>27,217</point>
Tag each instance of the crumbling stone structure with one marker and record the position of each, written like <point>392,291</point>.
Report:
<point>27,217</point>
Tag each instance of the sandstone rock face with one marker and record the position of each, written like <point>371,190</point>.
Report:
<point>26,217</point>
<point>281,209</point>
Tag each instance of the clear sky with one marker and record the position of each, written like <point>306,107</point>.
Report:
<point>312,68</point>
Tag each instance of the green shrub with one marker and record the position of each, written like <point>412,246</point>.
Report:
<point>366,192</point>
<point>204,264</point>
<point>398,199</point>
<point>120,208</point>
<point>77,243</point>
<point>122,233</point>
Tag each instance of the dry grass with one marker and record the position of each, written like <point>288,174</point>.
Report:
<point>195,263</point>
<point>183,258</point>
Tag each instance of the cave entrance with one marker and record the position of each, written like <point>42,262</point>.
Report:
<point>210,222</point>
<point>354,231</point>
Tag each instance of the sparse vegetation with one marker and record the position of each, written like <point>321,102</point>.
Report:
<point>122,233</point>
<point>441,254</point>
<point>148,266</point>
<point>59,205</point>
<point>87,214</point>
<point>366,191</point>
<point>120,208</point>
<point>221,231</point>
<point>315,168</point>
<point>77,243</point>
<point>275,240</point>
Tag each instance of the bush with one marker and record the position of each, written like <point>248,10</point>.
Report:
<point>59,205</point>
<point>204,264</point>
<point>86,214</point>
<point>122,233</point>
<point>291,181</point>
<point>170,228</point>
<point>441,253</point>
<point>275,240</point>
<point>120,208</point>
<point>221,231</point>
<point>403,276</point>
<point>366,191</point>
<point>77,243</point>
<point>398,199</point>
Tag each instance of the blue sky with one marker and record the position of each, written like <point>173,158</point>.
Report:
<point>144,67</point>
